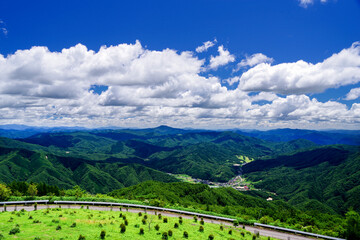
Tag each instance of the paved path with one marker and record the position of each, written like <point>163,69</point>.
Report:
<point>261,231</point>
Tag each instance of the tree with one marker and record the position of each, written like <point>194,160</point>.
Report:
<point>353,225</point>
<point>157,227</point>
<point>75,191</point>
<point>5,192</point>
<point>122,228</point>
<point>102,234</point>
<point>266,219</point>
<point>79,192</point>
<point>18,188</point>
<point>236,223</point>
<point>32,190</point>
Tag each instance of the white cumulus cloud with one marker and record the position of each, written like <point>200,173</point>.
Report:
<point>206,46</point>
<point>302,77</point>
<point>353,94</point>
<point>231,81</point>
<point>306,3</point>
<point>253,60</point>
<point>222,59</point>
<point>148,88</point>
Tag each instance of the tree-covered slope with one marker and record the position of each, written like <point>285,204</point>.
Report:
<point>207,155</point>
<point>205,161</point>
<point>188,194</point>
<point>212,155</point>
<point>65,172</point>
<point>326,178</point>
<point>231,202</point>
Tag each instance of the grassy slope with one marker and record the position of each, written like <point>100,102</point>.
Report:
<point>88,224</point>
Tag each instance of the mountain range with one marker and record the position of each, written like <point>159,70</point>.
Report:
<point>301,171</point>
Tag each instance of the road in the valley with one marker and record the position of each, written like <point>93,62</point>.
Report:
<point>261,231</point>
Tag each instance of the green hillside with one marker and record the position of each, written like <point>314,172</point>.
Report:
<point>231,202</point>
<point>314,185</point>
<point>65,172</point>
<point>187,194</point>
<point>211,155</point>
<point>205,161</point>
<point>325,179</point>
<point>208,155</point>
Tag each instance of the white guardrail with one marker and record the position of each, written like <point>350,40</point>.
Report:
<point>128,205</point>
<point>24,202</point>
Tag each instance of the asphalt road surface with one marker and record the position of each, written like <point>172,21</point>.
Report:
<point>261,231</point>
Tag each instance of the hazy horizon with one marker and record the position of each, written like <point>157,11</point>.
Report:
<point>24,127</point>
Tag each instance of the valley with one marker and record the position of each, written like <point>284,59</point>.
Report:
<point>297,184</point>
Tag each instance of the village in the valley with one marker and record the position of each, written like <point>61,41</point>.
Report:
<point>237,182</point>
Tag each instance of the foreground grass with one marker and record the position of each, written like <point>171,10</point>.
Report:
<point>71,223</point>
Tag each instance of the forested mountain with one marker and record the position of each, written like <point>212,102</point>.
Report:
<point>66,172</point>
<point>202,154</point>
<point>324,178</point>
<point>311,184</point>
<point>299,171</point>
<point>326,137</point>
<point>23,131</point>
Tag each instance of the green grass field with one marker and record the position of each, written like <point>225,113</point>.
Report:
<point>244,159</point>
<point>184,178</point>
<point>43,224</point>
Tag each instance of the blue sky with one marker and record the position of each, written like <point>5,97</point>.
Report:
<point>270,64</point>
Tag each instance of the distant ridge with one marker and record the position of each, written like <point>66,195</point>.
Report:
<point>323,137</point>
<point>24,131</point>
